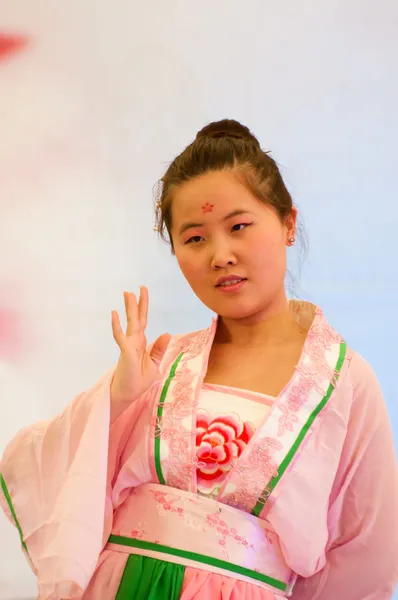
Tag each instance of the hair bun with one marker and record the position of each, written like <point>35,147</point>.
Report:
<point>228,128</point>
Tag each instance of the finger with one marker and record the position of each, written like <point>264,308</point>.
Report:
<point>117,330</point>
<point>126,302</point>
<point>143,307</point>
<point>133,322</point>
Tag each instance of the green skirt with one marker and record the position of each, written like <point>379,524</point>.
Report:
<point>147,578</point>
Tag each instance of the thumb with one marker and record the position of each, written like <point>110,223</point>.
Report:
<point>159,348</point>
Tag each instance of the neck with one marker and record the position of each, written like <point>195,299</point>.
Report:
<point>272,326</point>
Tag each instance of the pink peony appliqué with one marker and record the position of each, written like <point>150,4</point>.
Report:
<point>219,443</point>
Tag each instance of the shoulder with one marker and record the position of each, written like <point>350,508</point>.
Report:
<point>192,344</point>
<point>361,375</point>
<point>182,340</point>
<point>368,403</point>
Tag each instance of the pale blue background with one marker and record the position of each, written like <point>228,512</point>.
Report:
<point>108,94</point>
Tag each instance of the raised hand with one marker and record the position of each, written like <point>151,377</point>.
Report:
<point>137,368</point>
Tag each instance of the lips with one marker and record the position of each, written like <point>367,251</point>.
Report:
<point>229,281</point>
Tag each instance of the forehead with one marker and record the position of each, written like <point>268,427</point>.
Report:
<point>223,189</point>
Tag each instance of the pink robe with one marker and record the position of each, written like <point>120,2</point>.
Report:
<point>320,475</point>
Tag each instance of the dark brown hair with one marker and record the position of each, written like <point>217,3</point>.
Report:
<point>223,145</point>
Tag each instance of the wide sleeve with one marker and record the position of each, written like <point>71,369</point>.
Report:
<point>362,551</point>
<point>54,487</point>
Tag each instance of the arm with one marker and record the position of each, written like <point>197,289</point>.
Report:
<point>54,490</point>
<point>362,552</point>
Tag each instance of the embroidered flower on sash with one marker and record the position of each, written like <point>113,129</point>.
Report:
<point>220,440</point>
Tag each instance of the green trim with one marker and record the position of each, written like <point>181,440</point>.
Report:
<point>202,558</point>
<point>290,455</point>
<point>158,464</point>
<point>11,507</point>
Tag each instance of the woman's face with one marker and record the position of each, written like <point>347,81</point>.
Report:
<point>220,230</point>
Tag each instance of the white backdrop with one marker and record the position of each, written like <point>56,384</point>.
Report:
<point>91,111</point>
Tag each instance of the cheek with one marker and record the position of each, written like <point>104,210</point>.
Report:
<point>265,245</point>
<point>190,265</point>
<point>268,251</point>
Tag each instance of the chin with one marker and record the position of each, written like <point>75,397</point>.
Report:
<point>239,306</point>
<point>238,314</point>
<point>235,309</point>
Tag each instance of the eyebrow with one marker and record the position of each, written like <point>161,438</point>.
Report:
<point>234,213</point>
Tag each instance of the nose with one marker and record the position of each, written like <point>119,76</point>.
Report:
<point>222,256</point>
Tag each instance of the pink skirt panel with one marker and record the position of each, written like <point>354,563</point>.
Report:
<point>198,584</point>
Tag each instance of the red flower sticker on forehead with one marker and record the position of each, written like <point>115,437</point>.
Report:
<point>207,207</point>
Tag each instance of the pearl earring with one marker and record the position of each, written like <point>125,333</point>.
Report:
<point>291,240</point>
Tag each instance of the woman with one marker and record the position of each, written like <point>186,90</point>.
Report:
<point>252,460</point>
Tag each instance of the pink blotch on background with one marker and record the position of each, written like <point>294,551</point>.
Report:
<point>10,334</point>
<point>15,330</point>
<point>10,44</point>
<point>10,319</point>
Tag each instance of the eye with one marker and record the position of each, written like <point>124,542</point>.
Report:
<point>240,226</point>
<point>194,239</point>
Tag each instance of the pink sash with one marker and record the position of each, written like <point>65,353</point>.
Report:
<point>183,528</point>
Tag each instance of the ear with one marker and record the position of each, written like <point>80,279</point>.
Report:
<point>291,223</point>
